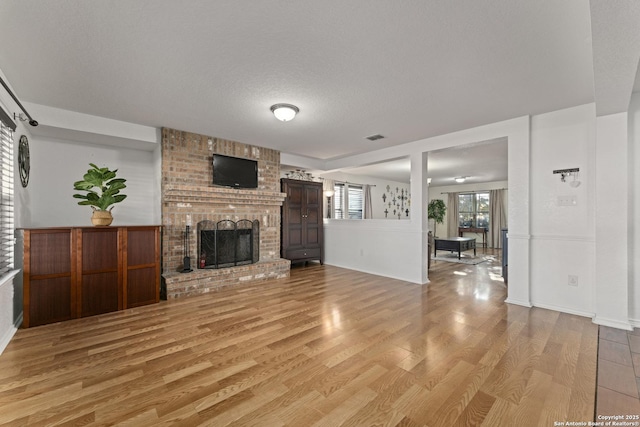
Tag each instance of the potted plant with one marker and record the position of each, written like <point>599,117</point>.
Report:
<point>102,190</point>
<point>436,211</point>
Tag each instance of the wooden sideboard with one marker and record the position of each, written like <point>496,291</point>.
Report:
<point>72,272</point>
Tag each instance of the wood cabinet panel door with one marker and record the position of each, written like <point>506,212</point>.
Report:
<point>302,222</point>
<point>142,271</point>
<point>48,280</point>
<point>313,216</point>
<point>99,279</point>
<point>293,232</point>
<point>50,301</point>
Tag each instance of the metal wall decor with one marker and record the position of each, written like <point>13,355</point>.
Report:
<point>399,202</point>
<point>24,160</point>
<point>300,175</point>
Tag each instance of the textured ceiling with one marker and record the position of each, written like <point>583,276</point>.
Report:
<point>616,43</point>
<point>407,70</point>
<point>479,162</point>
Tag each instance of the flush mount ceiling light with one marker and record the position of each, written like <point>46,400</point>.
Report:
<point>284,112</point>
<point>461,179</point>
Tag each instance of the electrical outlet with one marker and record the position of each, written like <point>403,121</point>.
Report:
<point>573,280</point>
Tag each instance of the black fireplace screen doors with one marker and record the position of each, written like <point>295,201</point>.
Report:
<point>228,243</point>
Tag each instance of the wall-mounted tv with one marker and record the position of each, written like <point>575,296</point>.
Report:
<point>234,172</point>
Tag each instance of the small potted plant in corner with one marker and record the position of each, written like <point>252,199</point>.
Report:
<point>436,211</point>
<point>102,190</point>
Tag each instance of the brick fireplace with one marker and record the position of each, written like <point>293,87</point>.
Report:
<point>188,196</point>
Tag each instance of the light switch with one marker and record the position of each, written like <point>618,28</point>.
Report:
<point>568,200</point>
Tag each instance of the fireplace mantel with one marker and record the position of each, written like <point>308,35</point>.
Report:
<point>221,195</point>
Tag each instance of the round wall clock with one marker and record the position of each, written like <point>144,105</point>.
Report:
<point>24,163</point>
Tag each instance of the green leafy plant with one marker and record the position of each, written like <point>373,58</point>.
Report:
<point>107,188</point>
<point>436,211</point>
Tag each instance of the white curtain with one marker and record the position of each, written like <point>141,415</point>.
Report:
<point>327,185</point>
<point>498,217</point>
<point>452,215</point>
<point>368,210</point>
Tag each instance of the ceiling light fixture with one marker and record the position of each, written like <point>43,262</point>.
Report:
<point>284,112</point>
<point>461,179</point>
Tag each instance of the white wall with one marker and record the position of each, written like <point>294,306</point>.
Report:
<point>563,239</point>
<point>380,188</point>
<point>347,242</point>
<point>376,246</point>
<point>56,165</point>
<point>612,222</point>
<point>547,242</point>
<point>380,245</point>
<point>634,210</point>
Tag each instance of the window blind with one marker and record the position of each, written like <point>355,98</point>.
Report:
<point>6,199</point>
<point>355,202</point>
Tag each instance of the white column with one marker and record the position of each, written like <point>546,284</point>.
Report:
<point>612,222</point>
<point>519,252</point>
<point>419,200</point>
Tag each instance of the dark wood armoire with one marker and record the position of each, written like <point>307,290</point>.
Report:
<point>302,228</point>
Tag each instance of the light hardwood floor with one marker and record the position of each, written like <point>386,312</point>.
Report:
<point>326,347</point>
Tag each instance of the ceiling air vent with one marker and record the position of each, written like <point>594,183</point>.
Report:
<point>375,137</point>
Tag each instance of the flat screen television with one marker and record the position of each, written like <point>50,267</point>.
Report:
<point>234,172</point>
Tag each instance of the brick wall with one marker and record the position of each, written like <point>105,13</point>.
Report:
<point>188,193</point>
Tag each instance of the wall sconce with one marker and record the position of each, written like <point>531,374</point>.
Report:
<point>329,194</point>
<point>428,181</point>
<point>566,173</point>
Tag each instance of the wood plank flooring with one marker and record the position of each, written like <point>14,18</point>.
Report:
<point>326,347</point>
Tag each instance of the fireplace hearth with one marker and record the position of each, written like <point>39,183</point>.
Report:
<point>227,243</point>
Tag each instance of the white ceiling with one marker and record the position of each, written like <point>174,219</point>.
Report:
<point>405,69</point>
<point>480,162</point>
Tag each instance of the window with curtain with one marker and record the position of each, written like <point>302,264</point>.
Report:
<point>473,210</point>
<point>348,201</point>
<point>6,199</point>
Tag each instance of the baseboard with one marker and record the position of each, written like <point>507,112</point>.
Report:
<point>390,276</point>
<point>566,310</point>
<point>6,338</point>
<point>518,302</point>
<point>613,323</point>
